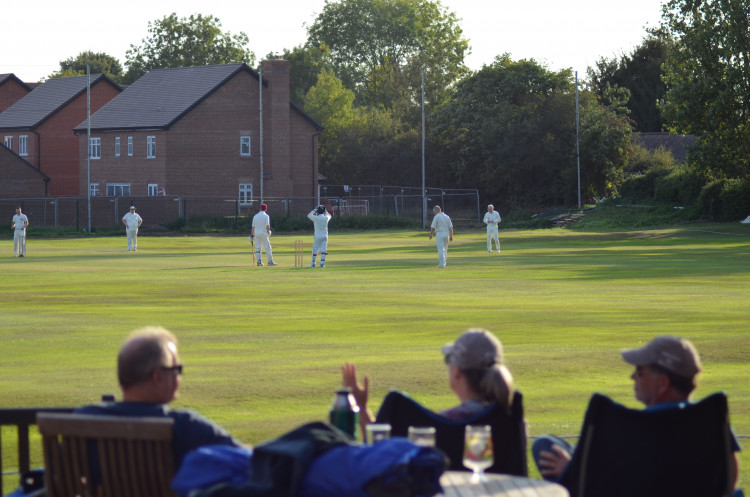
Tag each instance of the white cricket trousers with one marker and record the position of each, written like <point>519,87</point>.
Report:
<point>442,240</point>
<point>492,235</point>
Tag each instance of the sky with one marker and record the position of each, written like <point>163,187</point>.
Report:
<point>36,36</point>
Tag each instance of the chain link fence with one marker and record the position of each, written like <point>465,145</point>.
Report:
<point>105,212</point>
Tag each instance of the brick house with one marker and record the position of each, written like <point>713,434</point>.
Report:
<point>39,127</point>
<point>12,90</point>
<point>20,178</point>
<point>195,131</point>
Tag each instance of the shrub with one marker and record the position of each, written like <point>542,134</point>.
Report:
<point>735,199</point>
<point>682,185</point>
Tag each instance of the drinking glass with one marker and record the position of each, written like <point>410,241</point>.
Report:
<point>478,451</point>
<point>377,432</point>
<point>422,435</point>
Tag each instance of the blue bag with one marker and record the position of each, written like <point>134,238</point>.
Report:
<point>212,464</point>
<point>391,467</point>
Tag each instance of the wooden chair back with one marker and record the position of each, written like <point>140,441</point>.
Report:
<point>107,456</point>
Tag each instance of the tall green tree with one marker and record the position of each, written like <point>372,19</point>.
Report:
<point>639,72</point>
<point>185,42</point>
<point>708,81</point>
<point>510,131</point>
<point>99,63</point>
<point>306,63</point>
<point>360,145</point>
<point>379,47</point>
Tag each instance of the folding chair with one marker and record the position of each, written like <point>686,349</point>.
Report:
<point>107,456</point>
<point>508,430</point>
<point>681,451</point>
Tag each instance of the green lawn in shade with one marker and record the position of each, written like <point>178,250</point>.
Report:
<point>263,347</point>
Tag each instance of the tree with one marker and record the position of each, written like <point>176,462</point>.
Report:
<point>306,63</point>
<point>708,81</point>
<point>99,63</point>
<point>360,145</point>
<point>639,72</point>
<point>185,42</point>
<point>510,130</point>
<point>379,47</point>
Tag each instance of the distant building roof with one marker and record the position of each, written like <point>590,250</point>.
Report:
<point>44,101</point>
<point>161,97</point>
<point>11,76</point>
<point>678,145</point>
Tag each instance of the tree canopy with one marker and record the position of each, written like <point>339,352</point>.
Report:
<point>708,81</point>
<point>186,42</point>
<point>379,47</point>
<point>509,130</point>
<point>99,63</point>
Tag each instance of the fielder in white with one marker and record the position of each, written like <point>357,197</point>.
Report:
<point>132,222</point>
<point>260,231</point>
<point>442,229</point>
<point>20,223</point>
<point>491,218</point>
<point>320,219</point>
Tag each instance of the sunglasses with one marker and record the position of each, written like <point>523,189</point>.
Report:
<point>176,368</point>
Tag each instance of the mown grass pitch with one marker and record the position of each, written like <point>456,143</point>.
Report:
<point>262,347</point>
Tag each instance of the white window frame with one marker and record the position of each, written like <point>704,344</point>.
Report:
<point>118,189</point>
<point>245,193</point>
<point>8,142</point>
<point>94,190</point>
<point>245,146</point>
<point>117,146</point>
<point>95,148</point>
<point>130,146</point>
<point>23,145</point>
<point>153,189</point>
<point>151,147</point>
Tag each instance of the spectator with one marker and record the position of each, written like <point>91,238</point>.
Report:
<point>476,374</point>
<point>666,373</point>
<point>149,371</point>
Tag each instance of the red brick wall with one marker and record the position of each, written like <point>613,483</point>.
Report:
<point>18,178</point>
<point>200,154</point>
<point>11,91</point>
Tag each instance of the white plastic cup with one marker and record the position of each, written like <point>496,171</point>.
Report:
<point>422,435</point>
<point>377,432</point>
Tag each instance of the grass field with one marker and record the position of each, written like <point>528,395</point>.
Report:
<point>262,347</point>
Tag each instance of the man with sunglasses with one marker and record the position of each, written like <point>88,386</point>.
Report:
<point>149,372</point>
<point>666,373</point>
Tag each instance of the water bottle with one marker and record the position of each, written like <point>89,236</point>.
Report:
<point>344,413</point>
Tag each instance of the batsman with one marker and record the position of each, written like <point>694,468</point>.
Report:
<point>260,232</point>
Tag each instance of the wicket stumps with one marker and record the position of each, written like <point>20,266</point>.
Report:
<point>299,249</point>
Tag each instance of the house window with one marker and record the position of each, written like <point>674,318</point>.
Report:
<point>150,147</point>
<point>244,146</point>
<point>118,189</point>
<point>130,146</point>
<point>153,189</point>
<point>23,145</point>
<point>8,142</point>
<point>246,193</point>
<point>117,146</point>
<point>94,189</point>
<point>95,148</point>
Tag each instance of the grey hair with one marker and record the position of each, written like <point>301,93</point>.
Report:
<point>145,350</point>
<point>494,383</point>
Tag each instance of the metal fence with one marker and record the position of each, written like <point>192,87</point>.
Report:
<point>73,212</point>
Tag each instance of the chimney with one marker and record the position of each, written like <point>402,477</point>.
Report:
<point>276,120</point>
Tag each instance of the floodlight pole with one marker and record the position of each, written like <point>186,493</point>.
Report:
<point>424,195</point>
<point>578,145</point>
<point>260,128</point>
<point>88,139</point>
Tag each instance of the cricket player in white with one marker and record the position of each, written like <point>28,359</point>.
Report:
<point>491,218</point>
<point>442,229</point>
<point>132,222</point>
<point>20,223</point>
<point>260,231</point>
<point>320,219</point>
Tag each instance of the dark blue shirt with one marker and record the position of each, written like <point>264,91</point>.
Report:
<point>190,430</point>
